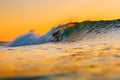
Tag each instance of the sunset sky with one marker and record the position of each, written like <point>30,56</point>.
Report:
<point>19,16</point>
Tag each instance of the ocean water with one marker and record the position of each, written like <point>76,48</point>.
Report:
<point>61,61</point>
<point>88,51</point>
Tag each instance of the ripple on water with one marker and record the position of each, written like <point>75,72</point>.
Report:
<point>10,49</point>
<point>117,56</point>
<point>1,60</point>
<point>101,59</point>
<point>19,58</point>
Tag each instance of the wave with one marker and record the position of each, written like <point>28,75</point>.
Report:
<point>31,38</point>
<point>84,31</point>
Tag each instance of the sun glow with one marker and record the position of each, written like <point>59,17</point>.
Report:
<point>19,16</point>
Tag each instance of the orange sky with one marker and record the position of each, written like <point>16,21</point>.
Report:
<point>19,16</point>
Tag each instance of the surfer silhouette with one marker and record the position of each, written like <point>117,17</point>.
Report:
<point>56,36</point>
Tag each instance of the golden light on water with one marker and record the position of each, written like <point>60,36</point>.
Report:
<point>59,61</point>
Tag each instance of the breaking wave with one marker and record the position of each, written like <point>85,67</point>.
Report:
<point>31,38</point>
<point>87,31</point>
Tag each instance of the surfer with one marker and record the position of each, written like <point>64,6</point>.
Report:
<point>56,36</point>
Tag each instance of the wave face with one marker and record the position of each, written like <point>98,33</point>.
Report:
<point>80,30</point>
<point>85,31</point>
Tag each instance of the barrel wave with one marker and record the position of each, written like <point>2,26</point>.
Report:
<point>75,31</point>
